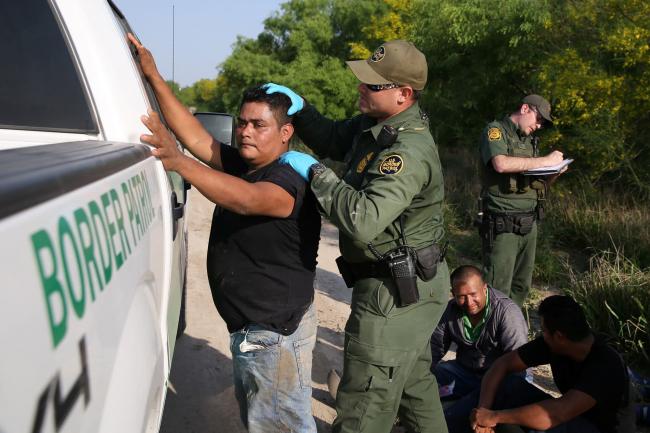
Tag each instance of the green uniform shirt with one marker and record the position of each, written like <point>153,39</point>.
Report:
<point>508,192</point>
<point>380,183</point>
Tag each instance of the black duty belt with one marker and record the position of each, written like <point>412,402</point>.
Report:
<point>370,270</point>
<point>426,265</point>
<point>519,223</point>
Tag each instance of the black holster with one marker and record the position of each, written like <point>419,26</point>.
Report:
<point>428,258</point>
<point>486,232</point>
<point>346,271</point>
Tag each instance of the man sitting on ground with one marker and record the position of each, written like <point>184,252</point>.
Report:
<point>484,324</point>
<point>591,376</point>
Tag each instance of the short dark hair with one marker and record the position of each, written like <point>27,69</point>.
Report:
<point>464,273</point>
<point>279,103</point>
<point>564,314</point>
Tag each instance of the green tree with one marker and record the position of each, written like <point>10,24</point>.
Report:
<point>597,71</point>
<point>187,95</point>
<point>305,47</point>
<point>482,55</point>
<point>589,57</point>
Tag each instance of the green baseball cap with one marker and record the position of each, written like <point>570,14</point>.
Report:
<point>395,61</point>
<point>542,105</point>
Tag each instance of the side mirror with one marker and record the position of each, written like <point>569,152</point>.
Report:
<point>220,125</point>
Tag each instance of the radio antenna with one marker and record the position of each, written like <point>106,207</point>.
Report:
<point>173,40</point>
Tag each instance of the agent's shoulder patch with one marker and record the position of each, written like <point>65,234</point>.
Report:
<point>391,164</point>
<point>494,134</point>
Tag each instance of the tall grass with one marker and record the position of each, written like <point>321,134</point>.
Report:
<point>615,294</point>
<point>601,221</point>
<point>462,186</point>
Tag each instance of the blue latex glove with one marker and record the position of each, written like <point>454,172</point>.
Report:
<point>297,103</point>
<point>299,161</point>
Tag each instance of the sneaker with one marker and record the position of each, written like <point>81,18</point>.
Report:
<point>447,390</point>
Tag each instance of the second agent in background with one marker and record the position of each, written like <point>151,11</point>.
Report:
<point>484,324</point>
<point>262,249</point>
<point>391,192</point>
<point>513,203</point>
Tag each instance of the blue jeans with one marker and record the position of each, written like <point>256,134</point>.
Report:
<point>272,375</point>
<point>467,390</point>
<point>515,392</point>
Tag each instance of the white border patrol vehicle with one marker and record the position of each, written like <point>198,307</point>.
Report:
<point>92,228</point>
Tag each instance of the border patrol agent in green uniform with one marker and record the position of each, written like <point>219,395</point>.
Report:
<point>388,209</point>
<point>512,203</point>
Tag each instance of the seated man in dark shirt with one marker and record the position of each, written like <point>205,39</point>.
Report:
<point>262,249</point>
<point>484,324</point>
<point>591,376</point>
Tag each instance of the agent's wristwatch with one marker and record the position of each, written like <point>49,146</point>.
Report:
<point>315,170</point>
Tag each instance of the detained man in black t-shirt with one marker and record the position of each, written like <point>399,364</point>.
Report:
<point>262,249</point>
<point>591,376</point>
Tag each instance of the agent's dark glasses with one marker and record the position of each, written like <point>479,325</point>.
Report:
<point>380,87</point>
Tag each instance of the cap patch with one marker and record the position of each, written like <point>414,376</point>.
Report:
<point>494,134</point>
<point>364,162</point>
<point>378,54</point>
<point>392,164</point>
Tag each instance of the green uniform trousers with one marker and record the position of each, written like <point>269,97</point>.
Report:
<point>509,264</point>
<point>387,365</point>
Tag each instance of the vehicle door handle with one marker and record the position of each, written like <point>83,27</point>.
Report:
<point>177,213</point>
<point>178,209</point>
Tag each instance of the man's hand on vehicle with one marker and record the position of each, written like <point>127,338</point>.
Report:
<point>147,62</point>
<point>160,138</point>
<point>300,162</point>
<point>297,103</point>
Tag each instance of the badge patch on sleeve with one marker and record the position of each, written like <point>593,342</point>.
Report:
<point>494,134</point>
<point>392,164</point>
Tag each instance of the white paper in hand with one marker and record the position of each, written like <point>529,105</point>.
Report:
<point>551,169</point>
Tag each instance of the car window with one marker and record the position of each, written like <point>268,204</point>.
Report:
<point>175,180</point>
<point>126,28</point>
<point>40,85</point>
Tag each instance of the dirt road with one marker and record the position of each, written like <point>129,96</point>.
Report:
<point>201,397</point>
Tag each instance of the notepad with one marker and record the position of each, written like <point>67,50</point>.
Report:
<point>551,169</point>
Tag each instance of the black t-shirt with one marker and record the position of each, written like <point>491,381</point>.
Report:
<point>602,375</point>
<point>261,269</point>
